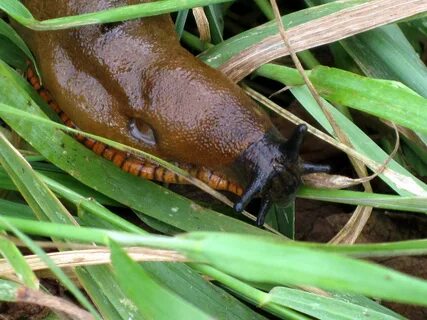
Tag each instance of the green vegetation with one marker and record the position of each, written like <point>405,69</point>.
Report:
<point>72,196</point>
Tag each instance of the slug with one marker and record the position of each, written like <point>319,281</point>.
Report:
<point>132,82</point>
<point>129,163</point>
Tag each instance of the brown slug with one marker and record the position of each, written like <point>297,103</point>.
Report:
<point>129,163</point>
<point>132,82</point>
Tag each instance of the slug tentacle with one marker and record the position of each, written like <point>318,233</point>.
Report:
<point>308,168</point>
<point>292,147</point>
<point>265,206</point>
<point>251,192</point>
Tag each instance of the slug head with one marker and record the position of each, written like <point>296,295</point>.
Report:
<point>275,169</point>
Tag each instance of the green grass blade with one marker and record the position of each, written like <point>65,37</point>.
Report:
<point>65,180</point>
<point>152,299</point>
<point>8,290</point>
<point>389,249</point>
<point>385,99</point>
<point>97,293</point>
<point>216,22</point>
<point>103,288</point>
<point>189,285</point>
<point>15,209</point>
<point>41,200</point>
<point>180,21</point>
<point>178,277</point>
<point>66,282</point>
<point>323,308</point>
<point>247,292</point>
<point>22,270</point>
<point>420,25</point>
<point>376,200</point>
<point>11,54</point>
<point>265,7</point>
<point>279,262</point>
<point>16,10</point>
<point>387,54</point>
<point>365,302</point>
<point>287,263</point>
<point>9,33</point>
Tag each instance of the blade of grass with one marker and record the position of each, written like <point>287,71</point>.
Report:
<point>9,33</point>
<point>376,200</point>
<point>251,294</point>
<point>16,10</point>
<point>65,180</point>
<point>55,269</point>
<point>288,263</point>
<point>266,9</point>
<point>134,279</point>
<point>99,294</point>
<point>216,22</point>
<point>20,266</point>
<point>15,209</point>
<point>178,277</point>
<point>105,291</point>
<point>11,54</point>
<point>324,308</point>
<point>181,19</point>
<point>382,98</point>
<point>41,200</point>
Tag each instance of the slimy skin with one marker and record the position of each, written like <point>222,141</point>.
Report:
<point>132,82</point>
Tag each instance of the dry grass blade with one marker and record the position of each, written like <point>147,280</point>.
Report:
<point>26,295</point>
<point>328,29</point>
<point>202,24</point>
<point>92,257</point>
<point>354,226</point>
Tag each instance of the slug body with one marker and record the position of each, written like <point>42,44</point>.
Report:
<point>132,82</point>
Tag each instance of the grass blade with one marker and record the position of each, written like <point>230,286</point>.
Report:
<point>324,308</point>
<point>15,258</point>
<point>16,10</point>
<point>149,296</point>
